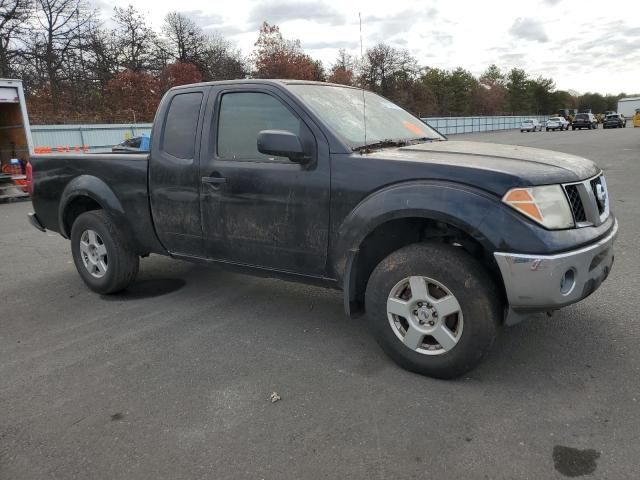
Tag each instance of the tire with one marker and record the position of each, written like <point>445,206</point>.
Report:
<point>475,322</point>
<point>106,261</point>
<point>547,129</point>
<point>573,128</point>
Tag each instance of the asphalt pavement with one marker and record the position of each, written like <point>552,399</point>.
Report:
<point>172,379</point>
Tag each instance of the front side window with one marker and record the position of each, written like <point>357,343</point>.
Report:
<point>243,115</point>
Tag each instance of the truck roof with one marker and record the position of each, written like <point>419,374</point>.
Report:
<point>263,81</point>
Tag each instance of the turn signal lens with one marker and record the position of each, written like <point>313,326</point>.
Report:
<point>547,205</point>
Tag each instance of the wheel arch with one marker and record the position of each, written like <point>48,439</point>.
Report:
<point>85,193</point>
<point>405,214</point>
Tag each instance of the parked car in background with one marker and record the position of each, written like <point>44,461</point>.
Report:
<point>614,120</point>
<point>557,123</point>
<point>530,125</point>
<point>584,120</point>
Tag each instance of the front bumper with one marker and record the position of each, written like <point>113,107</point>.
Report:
<point>536,283</point>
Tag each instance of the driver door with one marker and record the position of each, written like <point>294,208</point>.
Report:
<point>257,209</point>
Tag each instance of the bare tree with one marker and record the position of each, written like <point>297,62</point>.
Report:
<point>221,61</point>
<point>136,40</point>
<point>14,15</point>
<point>387,67</point>
<point>102,52</point>
<point>62,23</point>
<point>186,39</point>
<point>344,69</point>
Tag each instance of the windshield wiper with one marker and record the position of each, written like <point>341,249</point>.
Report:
<point>381,144</point>
<point>415,141</point>
<point>369,147</point>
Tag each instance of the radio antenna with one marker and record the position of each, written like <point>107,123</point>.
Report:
<point>364,103</point>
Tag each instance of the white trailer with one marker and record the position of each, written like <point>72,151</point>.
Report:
<point>15,140</point>
<point>628,106</point>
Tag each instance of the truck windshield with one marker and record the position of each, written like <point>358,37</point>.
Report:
<point>342,109</point>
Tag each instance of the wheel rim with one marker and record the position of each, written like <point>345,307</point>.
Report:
<point>425,315</point>
<point>93,253</point>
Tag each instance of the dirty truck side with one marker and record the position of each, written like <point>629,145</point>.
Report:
<point>439,243</point>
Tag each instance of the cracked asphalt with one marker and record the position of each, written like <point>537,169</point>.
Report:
<point>173,379</point>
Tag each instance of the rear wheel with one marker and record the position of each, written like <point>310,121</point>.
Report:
<point>104,256</point>
<point>433,309</point>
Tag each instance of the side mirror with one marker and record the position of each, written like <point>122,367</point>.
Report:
<point>282,144</point>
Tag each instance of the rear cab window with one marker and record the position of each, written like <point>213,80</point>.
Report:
<point>179,135</point>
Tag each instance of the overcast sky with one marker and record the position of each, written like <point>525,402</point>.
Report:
<point>583,45</point>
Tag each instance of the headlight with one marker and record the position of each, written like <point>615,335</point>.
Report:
<point>547,205</point>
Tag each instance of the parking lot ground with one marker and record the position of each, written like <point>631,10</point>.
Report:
<point>171,380</point>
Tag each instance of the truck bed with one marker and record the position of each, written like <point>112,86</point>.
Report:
<point>121,176</point>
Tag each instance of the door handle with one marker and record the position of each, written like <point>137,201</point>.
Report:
<point>214,180</point>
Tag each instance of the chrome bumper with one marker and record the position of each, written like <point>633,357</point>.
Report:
<point>536,283</point>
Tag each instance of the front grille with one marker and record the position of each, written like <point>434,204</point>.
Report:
<point>587,206</point>
<point>575,201</point>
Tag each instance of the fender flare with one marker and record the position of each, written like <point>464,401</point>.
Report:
<point>97,190</point>
<point>477,213</point>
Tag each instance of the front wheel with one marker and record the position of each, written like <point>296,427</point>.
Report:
<point>103,254</point>
<point>433,309</point>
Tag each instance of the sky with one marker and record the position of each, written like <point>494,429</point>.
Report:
<point>587,45</point>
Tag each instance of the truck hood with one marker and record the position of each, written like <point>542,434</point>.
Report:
<point>492,166</point>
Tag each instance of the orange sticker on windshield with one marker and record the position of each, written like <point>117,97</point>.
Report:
<point>413,128</point>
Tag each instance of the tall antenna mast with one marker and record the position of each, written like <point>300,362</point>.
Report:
<point>364,103</point>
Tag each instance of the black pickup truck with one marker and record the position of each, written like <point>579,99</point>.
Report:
<point>438,242</point>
